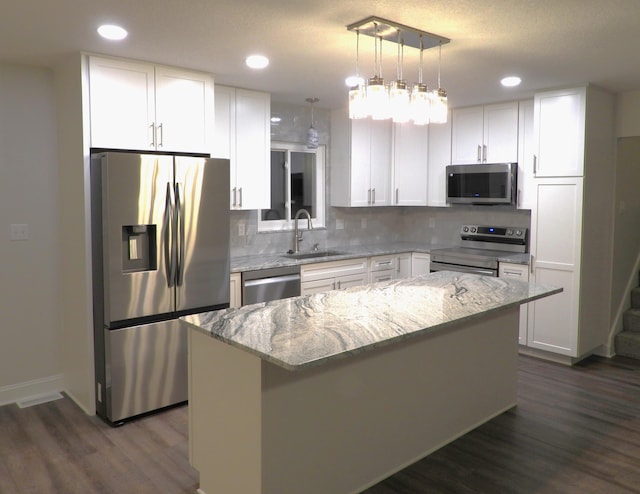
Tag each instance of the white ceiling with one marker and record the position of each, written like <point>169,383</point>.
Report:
<point>548,43</point>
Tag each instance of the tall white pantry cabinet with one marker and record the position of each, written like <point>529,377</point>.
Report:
<point>572,219</point>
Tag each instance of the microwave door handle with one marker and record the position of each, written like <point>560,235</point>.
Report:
<point>479,154</point>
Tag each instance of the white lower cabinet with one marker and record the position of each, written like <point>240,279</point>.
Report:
<point>420,263</point>
<point>333,275</point>
<point>382,268</point>
<point>517,272</point>
<point>235,290</point>
<point>403,265</point>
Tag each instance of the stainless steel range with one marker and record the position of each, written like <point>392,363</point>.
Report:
<point>480,249</point>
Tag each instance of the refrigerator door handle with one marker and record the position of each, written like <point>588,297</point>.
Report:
<point>180,236</point>
<point>168,243</point>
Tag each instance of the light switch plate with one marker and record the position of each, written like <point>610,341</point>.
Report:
<point>19,232</point>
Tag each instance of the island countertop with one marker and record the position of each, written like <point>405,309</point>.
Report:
<point>309,330</point>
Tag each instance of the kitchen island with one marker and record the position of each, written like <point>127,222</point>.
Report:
<point>332,392</point>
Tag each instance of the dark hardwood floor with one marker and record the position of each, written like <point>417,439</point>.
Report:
<point>575,430</point>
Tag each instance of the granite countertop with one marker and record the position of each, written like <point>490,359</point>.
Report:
<point>304,331</point>
<point>264,261</point>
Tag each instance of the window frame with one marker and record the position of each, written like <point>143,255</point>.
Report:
<point>287,224</point>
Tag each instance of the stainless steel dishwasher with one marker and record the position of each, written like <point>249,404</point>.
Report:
<point>264,285</point>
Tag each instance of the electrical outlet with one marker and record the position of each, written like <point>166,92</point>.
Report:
<point>432,222</point>
<point>19,232</point>
<point>363,223</point>
<point>339,224</point>
<point>241,229</point>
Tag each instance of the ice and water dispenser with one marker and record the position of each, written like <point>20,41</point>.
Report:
<point>139,248</point>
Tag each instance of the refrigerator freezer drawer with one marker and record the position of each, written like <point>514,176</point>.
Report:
<point>146,368</point>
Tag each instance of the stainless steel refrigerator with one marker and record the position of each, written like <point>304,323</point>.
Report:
<point>160,247</point>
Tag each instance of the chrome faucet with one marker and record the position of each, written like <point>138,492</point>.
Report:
<point>297,234</point>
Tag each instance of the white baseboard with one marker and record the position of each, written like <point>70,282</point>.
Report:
<point>31,389</point>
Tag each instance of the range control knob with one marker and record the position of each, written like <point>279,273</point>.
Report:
<point>473,229</point>
<point>509,232</point>
<point>519,233</point>
<point>465,229</point>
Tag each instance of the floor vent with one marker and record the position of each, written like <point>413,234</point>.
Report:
<point>38,400</point>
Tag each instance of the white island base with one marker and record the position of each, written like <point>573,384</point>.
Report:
<point>340,427</point>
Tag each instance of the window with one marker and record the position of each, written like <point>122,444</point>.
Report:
<point>297,182</point>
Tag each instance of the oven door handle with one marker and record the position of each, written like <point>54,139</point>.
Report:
<point>439,266</point>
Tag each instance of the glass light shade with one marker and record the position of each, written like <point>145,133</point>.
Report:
<point>312,138</point>
<point>377,99</point>
<point>439,106</point>
<point>420,104</point>
<point>358,102</point>
<point>399,100</point>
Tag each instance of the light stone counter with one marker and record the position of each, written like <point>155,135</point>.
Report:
<point>406,367</point>
<point>299,332</point>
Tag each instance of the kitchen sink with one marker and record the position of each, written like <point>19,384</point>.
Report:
<point>314,254</point>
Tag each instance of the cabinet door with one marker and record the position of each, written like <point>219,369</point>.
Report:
<point>526,178</point>
<point>235,290</point>
<point>559,130</point>
<point>410,164</point>
<point>500,135</point>
<point>439,158</point>
<point>317,286</point>
<point>378,276</point>
<point>556,232</point>
<point>184,110</point>
<point>380,158</point>
<point>253,143</point>
<point>224,137</point>
<point>466,135</point>
<point>420,264</point>
<point>403,266</point>
<point>122,104</point>
<point>518,272</point>
<point>351,280</point>
<point>360,172</point>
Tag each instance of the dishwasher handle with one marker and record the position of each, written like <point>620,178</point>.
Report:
<point>268,281</point>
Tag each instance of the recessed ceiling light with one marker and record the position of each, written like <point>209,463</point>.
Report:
<point>112,32</point>
<point>257,61</point>
<point>511,81</point>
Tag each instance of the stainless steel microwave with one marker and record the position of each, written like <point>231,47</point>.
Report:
<point>482,184</point>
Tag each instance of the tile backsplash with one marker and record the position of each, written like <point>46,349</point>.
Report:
<point>359,226</point>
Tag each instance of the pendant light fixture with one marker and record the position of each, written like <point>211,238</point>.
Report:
<point>421,106</point>
<point>357,89</point>
<point>312,132</point>
<point>398,92</point>
<point>439,104</point>
<point>377,95</point>
<point>420,98</point>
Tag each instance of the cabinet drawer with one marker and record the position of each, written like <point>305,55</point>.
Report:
<point>382,263</point>
<point>515,271</point>
<point>333,269</point>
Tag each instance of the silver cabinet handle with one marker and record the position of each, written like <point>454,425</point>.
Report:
<point>240,195</point>
<point>532,262</point>
<point>339,285</point>
<point>513,273</point>
<point>374,196</point>
<point>234,197</point>
<point>368,196</point>
<point>161,140</point>
<point>535,163</point>
<point>397,195</point>
<point>479,154</point>
<point>484,153</point>
<point>152,127</point>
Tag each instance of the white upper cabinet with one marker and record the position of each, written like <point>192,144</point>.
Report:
<point>136,105</point>
<point>559,132</point>
<point>439,158</point>
<point>360,161</point>
<point>410,164</point>
<point>242,135</point>
<point>526,183</point>
<point>485,134</point>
